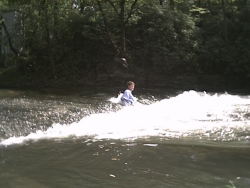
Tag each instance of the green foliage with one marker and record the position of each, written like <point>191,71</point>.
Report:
<point>219,56</point>
<point>162,40</point>
<point>167,39</point>
<point>199,11</point>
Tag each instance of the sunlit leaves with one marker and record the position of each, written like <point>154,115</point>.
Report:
<point>200,10</point>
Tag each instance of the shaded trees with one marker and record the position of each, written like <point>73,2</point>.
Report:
<point>223,32</point>
<point>72,38</point>
<point>124,11</point>
<point>167,41</point>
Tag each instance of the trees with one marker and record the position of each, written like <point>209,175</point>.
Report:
<point>167,41</point>
<point>70,39</point>
<point>124,11</point>
<point>222,35</point>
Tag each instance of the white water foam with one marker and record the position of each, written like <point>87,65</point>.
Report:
<point>178,116</point>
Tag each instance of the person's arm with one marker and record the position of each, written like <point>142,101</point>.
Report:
<point>131,97</point>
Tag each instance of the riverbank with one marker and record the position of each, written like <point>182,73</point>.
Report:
<point>13,79</point>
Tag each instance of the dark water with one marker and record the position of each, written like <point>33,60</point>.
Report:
<point>78,139</point>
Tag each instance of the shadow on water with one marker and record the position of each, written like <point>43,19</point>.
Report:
<point>115,163</point>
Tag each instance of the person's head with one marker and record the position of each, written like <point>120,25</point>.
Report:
<point>131,85</point>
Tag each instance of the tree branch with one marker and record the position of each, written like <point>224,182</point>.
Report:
<point>107,28</point>
<point>9,40</point>
<point>113,5</point>
<point>134,45</point>
<point>133,9</point>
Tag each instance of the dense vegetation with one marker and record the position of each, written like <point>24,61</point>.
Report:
<point>72,42</point>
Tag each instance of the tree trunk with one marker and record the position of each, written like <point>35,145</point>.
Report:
<point>49,51</point>
<point>123,32</point>
<point>9,40</point>
<point>48,41</point>
<point>121,52</point>
<point>118,58</point>
<point>171,4</point>
<point>209,6</point>
<point>224,21</point>
<point>105,20</point>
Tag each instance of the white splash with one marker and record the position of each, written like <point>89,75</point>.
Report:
<point>185,114</point>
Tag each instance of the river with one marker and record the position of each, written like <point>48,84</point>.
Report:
<point>82,138</point>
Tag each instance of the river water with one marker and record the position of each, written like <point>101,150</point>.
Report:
<point>55,139</point>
